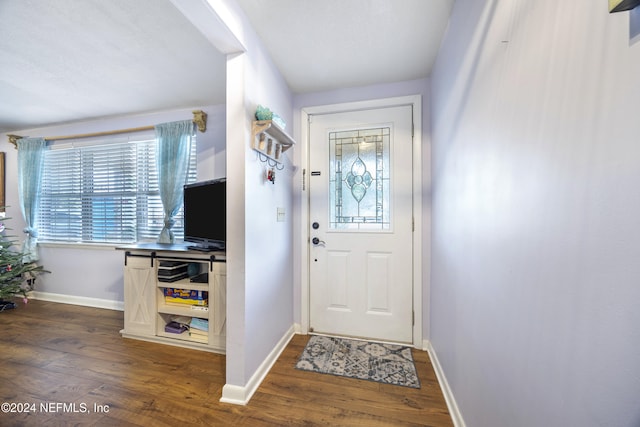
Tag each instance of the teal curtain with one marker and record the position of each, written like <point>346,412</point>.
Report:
<point>30,161</point>
<point>174,145</point>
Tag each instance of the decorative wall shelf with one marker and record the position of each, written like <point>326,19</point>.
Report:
<point>270,141</point>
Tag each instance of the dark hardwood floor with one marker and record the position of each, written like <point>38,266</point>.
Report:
<point>65,365</point>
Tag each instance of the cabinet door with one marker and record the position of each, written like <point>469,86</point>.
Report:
<point>139,297</point>
<point>219,287</point>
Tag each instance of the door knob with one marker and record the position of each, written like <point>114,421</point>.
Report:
<point>317,241</point>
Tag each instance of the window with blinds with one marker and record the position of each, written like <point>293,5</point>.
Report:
<point>104,192</point>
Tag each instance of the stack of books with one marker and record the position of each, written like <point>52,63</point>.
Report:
<point>199,330</point>
<point>186,297</point>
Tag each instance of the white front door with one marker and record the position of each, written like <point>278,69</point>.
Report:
<point>361,223</point>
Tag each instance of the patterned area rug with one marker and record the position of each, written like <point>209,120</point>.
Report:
<point>384,363</point>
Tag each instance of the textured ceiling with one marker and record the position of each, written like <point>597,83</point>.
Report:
<point>328,44</point>
<point>66,60</point>
<point>69,60</point>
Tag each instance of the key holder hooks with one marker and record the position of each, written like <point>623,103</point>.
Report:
<point>270,162</point>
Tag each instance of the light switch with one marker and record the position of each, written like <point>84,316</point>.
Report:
<point>280,214</point>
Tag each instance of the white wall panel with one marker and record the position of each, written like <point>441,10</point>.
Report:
<point>338,283</point>
<point>535,221</point>
<point>379,282</point>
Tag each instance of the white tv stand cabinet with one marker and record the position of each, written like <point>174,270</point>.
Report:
<point>145,311</point>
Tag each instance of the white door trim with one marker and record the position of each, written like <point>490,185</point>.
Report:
<point>416,102</point>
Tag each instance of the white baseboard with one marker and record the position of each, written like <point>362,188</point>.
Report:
<point>456,415</point>
<point>240,395</point>
<point>76,300</point>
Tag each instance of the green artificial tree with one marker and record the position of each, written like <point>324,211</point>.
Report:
<point>17,277</point>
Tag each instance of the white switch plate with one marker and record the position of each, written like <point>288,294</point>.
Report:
<point>280,214</point>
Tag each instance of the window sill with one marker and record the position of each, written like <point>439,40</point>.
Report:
<point>99,246</point>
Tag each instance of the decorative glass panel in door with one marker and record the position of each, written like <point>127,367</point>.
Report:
<point>359,179</point>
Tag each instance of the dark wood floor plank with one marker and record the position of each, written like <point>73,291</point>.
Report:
<point>65,354</point>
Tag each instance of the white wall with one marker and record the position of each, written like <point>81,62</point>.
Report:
<point>364,93</point>
<point>260,250</point>
<point>97,272</point>
<point>536,213</point>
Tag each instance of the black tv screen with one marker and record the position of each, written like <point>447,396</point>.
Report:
<point>205,214</point>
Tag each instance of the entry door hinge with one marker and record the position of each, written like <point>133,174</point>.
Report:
<point>304,179</point>
<point>413,224</point>
<point>413,318</point>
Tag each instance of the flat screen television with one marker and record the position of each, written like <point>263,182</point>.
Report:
<point>205,214</point>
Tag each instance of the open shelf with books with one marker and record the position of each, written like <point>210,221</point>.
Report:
<point>176,297</point>
<point>190,329</point>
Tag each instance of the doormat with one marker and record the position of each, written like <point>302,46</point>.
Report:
<point>383,363</point>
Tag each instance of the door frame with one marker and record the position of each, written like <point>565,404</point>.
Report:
<point>414,101</point>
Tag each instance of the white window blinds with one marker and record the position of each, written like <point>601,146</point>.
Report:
<point>103,192</point>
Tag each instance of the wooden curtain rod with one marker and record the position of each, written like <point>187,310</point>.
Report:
<point>199,118</point>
